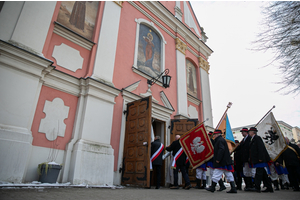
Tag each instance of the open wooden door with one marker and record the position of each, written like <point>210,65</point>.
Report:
<point>180,127</point>
<point>136,156</point>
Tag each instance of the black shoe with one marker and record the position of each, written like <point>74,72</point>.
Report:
<point>157,187</point>
<point>203,184</point>
<point>257,190</point>
<point>212,188</point>
<point>233,189</point>
<point>222,188</point>
<point>296,190</point>
<point>188,187</point>
<point>268,190</point>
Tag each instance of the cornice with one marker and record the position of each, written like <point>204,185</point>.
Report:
<point>193,99</point>
<point>72,36</point>
<point>22,60</point>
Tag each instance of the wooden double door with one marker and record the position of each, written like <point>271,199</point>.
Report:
<point>137,142</point>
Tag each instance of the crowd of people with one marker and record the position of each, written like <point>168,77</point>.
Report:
<point>251,162</point>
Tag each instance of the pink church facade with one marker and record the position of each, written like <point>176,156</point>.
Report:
<point>69,69</point>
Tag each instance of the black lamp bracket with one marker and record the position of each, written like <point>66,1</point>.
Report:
<point>153,80</point>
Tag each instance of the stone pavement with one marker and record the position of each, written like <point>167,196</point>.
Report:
<point>136,193</point>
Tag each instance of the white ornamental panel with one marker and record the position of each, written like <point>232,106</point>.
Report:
<point>53,124</point>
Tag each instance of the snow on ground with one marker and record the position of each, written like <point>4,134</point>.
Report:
<point>36,184</point>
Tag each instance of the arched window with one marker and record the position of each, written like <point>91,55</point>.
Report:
<point>191,79</point>
<point>149,49</point>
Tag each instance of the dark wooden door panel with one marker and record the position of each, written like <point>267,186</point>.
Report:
<point>136,156</point>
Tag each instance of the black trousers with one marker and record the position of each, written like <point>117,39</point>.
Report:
<point>294,175</point>
<point>182,169</point>
<point>261,175</point>
<point>238,178</point>
<point>157,168</point>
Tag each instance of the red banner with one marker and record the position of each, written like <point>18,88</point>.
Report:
<point>197,145</point>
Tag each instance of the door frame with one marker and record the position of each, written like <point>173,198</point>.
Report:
<point>159,112</point>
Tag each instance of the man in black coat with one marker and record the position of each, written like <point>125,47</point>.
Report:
<point>243,151</point>
<point>179,163</point>
<point>259,158</point>
<point>222,163</point>
<point>210,165</point>
<point>157,149</point>
<point>292,163</point>
<point>238,166</point>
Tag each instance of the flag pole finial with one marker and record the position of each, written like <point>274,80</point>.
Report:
<point>229,104</point>
<point>265,115</point>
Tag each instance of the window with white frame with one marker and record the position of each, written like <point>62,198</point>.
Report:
<point>149,50</point>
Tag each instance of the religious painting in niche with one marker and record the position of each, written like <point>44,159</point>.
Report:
<point>79,16</point>
<point>191,78</point>
<point>149,51</point>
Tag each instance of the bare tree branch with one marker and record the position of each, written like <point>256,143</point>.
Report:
<point>281,36</point>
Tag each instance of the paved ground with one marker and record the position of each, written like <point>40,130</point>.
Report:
<point>137,193</point>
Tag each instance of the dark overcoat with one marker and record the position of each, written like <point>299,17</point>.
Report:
<point>258,151</point>
<point>175,147</point>
<point>221,153</point>
<point>289,156</point>
<point>154,147</point>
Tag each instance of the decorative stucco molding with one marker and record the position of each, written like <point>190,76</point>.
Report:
<point>181,46</point>
<point>203,64</point>
<point>119,3</point>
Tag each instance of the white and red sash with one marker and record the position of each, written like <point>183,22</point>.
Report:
<point>156,154</point>
<point>177,155</point>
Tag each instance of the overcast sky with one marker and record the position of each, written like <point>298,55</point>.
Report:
<point>237,74</point>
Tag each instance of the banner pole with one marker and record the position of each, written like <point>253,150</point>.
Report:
<point>265,115</point>
<point>219,124</point>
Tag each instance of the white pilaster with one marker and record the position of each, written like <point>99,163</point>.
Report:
<point>107,45</point>
<point>9,16</point>
<point>206,98</point>
<point>33,24</point>
<point>21,75</point>
<point>181,83</point>
<point>92,160</point>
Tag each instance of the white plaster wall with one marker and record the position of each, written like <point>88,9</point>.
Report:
<point>92,163</point>
<point>14,154</point>
<point>40,155</point>
<point>206,98</point>
<point>33,24</point>
<point>106,52</point>
<point>193,113</point>
<point>9,16</point>
<point>181,84</point>
<point>17,105</point>
<point>97,120</point>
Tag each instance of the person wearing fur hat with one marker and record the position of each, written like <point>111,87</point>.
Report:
<point>222,163</point>
<point>259,158</point>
